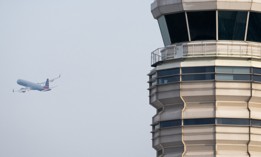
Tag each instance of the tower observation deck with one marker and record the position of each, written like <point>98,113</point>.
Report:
<point>206,81</point>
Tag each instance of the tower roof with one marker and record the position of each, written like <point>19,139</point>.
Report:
<point>162,7</point>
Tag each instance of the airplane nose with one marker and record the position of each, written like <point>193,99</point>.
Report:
<point>18,81</point>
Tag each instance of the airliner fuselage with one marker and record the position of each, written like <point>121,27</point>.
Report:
<point>31,85</point>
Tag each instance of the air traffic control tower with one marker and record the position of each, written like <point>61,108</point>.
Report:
<point>206,81</point>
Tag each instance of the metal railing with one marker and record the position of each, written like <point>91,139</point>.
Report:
<point>245,50</point>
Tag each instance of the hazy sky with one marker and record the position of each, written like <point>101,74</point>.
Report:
<point>102,50</point>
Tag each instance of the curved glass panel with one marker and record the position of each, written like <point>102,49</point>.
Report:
<point>254,25</point>
<point>202,25</point>
<point>231,25</point>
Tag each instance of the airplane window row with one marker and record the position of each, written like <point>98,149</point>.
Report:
<point>208,121</point>
<point>193,26</point>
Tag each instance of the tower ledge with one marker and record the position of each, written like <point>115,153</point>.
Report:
<point>207,49</point>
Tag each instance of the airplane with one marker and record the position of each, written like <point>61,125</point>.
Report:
<point>43,86</point>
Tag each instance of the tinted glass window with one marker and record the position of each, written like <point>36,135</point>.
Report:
<point>254,25</point>
<point>202,25</point>
<point>198,77</point>
<point>206,73</point>
<point>202,121</point>
<point>168,72</point>
<point>224,77</point>
<point>164,30</point>
<point>257,78</point>
<point>231,25</point>
<point>232,121</point>
<point>233,70</point>
<point>255,122</point>
<point>241,77</point>
<point>241,70</point>
<point>227,77</point>
<point>199,121</point>
<point>177,27</point>
<point>171,79</point>
<point>186,70</point>
<point>170,123</point>
<point>257,70</point>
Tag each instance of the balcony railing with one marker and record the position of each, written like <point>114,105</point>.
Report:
<point>244,50</point>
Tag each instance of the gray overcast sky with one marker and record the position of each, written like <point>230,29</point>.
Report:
<point>102,50</point>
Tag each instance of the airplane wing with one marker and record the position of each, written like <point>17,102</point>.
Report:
<point>50,80</point>
<point>22,90</point>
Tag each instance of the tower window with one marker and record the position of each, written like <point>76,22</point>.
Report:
<point>233,73</point>
<point>165,80</point>
<point>255,122</point>
<point>199,121</point>
<point>198,77</point>
<point>233,70</point>
<point>168,76</point>
<point>177,27</point>
<point>233,121</point>
<point>198,73</point>
<point>257,71</point>
<point>254,31</point>
<point>168,72</point>
<point>257,78</point>
<point>219,73</point>
<point>231,25</point>
<point>170,123</point>
<point>210,121</point>
<point>202,25</point>
<point>187,70</point>
<point>173,28</point>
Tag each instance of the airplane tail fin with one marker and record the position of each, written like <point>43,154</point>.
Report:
<point>47,84</point>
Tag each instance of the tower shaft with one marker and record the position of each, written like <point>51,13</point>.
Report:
<point>206,81</point>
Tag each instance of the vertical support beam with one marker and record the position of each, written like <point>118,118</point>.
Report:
<point>248,13</point>
<point>187,23</point>
<point>215,115</point>
<point>217,25</point>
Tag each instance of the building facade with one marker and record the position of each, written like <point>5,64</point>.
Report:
<point>206,81</point>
